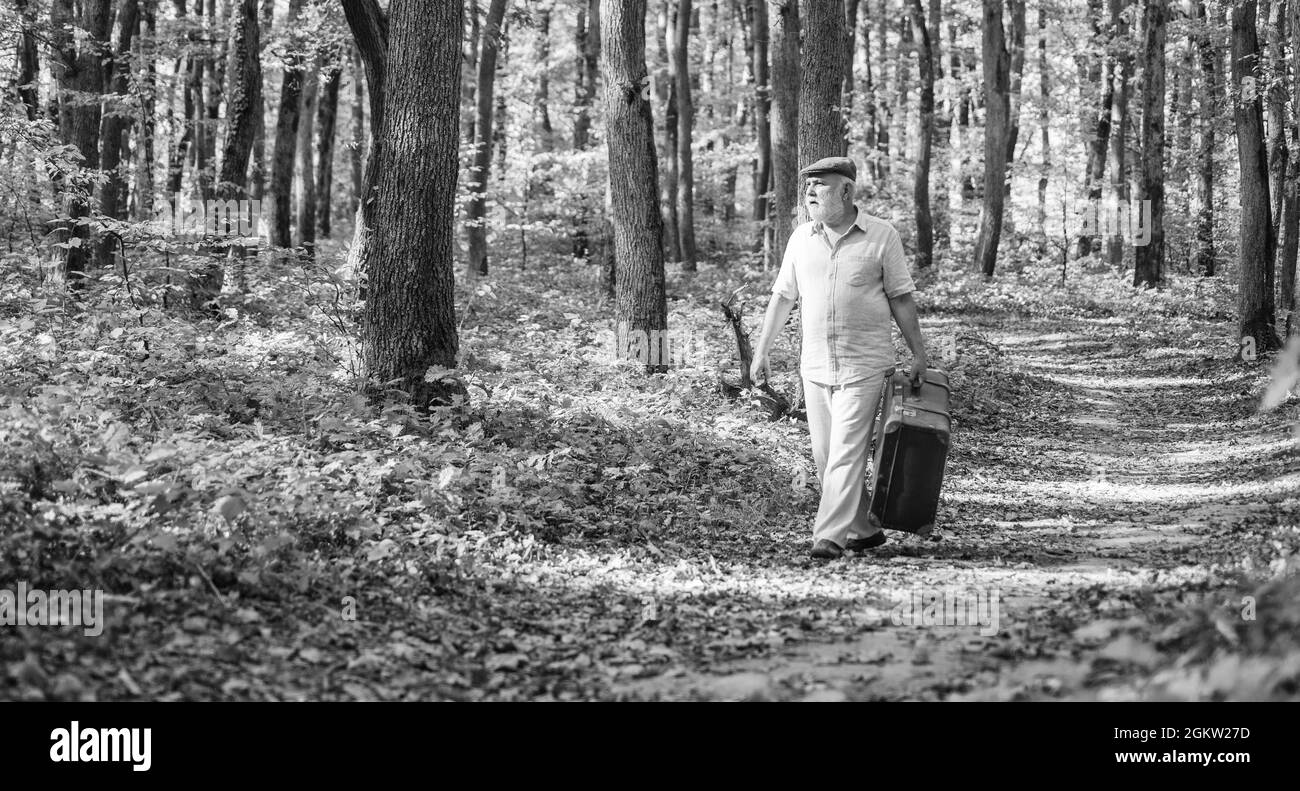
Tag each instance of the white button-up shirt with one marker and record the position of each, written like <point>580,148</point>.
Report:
<point>843,292</point>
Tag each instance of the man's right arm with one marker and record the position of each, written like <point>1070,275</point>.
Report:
<point>778,310</point>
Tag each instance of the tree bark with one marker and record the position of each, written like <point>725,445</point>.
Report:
<point>666,41</point>
<point>1276,123</point>
<point>588,47</point>
<point>144,182</point>
<point>480,171</point>
<point>26,85</point>
<point>115,127</point>
<point>542,94</point>
<point>286,141</point>
<point>78,68</point>
<point>326,116</point>
<point>997,77</point>
<point>1203,194</point>
<point>1255,284</point>
<point>822,132</point>
<point>1291,201</point>
<point>244,105</point>
<point>409,333</point>
<point>685,122</point>
<point>762,120</point>
<point>1044,84</point>
<point>307,166</point>
<point>1016,51</point>
<point>783,27</point>
<point>1095,171</point>
<point>641,314</point>
<point>1117,158</point>
<point>1148,266</point>
<point>924,134</point>
<point>369,28</point>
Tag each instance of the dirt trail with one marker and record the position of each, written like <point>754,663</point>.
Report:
<point>1096,503</point>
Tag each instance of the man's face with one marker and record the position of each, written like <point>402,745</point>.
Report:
<point>824,194</point>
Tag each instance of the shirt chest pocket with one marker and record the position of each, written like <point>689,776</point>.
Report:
<point>862,269</point>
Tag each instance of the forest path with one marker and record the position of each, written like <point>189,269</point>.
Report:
<point>1087,519</point>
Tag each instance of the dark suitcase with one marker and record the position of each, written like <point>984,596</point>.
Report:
<point>912,434</point>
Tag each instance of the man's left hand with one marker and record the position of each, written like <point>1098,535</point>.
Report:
<point>918,370</point>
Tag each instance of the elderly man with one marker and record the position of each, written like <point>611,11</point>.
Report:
<point>847,270</point>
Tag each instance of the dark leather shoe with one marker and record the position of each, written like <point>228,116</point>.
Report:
<point>826,549</point>
<point>863,544</point>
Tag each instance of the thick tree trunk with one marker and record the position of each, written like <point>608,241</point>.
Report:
<point>409,323</point>
<point>244,105</point>
<point>357,146</point>
<point>822,132</point>
<point>641,315</point>
<point>783,26</point>
<point>1117,158</point>
<point>1148,266</point>
<point>1255,253</point>
<point>924,134</point>
<point>1203,195</point>
<point>286,142</point>
<point>327,108</point>
<point>257,165</point>
<point>115,128</point>
<point>369,28</point>
<point>1094,173</point>
<point>762,113</point>
<point>685,122</point>
<point>480,171</point>
<point>78,67</point>
<point>997,77</point>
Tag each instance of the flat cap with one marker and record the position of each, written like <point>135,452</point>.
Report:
<point>841,165</point>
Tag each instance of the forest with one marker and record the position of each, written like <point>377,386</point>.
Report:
<point>401,349</point>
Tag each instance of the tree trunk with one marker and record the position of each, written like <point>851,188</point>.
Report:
<point>1255,286</point>
<point>1016,50</point>
<point>26,84</point>
<point>78,68</point>
<point>542,94</point>
<point>1291,202</point>
<point>409,333</point>
<point>327,108</point>
<point>115,128</point>
<point>144,189</point>
<point>286,142</point>
<point>666,41</point>
<point>257,166</point>
<point>685,121</point>
<point>1203,195</point>
<point>921,182</point>
<point>588,48</point>
<point>822,132</point>
<point>762,120</point>
<point>369,28</point>
<point>1148,266</point>
<point>1117,158</point>
<point>997,77</point>
<point>480,171</point>
<point>850,53</point>
<point>1095,171</point>
<point>307,165</point>
<point>869,98</point>
<point>641,315</point>
<point>1044,83</point>
<point>244,105</point>
<point>1276,124</point>
<point>783,27</point>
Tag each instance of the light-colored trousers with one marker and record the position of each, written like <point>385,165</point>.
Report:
<point>840,419</point>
